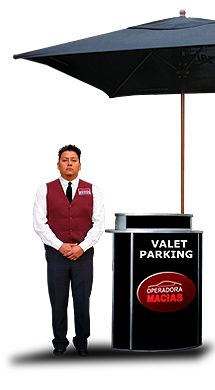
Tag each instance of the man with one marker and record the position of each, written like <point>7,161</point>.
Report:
<point>69,218</point>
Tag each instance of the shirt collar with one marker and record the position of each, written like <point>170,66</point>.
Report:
<point>65,182</point>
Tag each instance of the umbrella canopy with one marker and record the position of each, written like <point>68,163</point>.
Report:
<point>162,57</point>
<point>170,56</point>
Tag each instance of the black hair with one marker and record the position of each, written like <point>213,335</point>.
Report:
<point>72,148</point>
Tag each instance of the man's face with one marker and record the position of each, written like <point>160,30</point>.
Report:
<point>69,165</point>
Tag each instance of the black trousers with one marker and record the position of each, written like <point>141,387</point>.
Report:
<point>62,273</point>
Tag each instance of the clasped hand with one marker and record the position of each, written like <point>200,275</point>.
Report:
<point>71,251</point>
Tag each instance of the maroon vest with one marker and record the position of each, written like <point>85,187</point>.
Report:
<point>69,222</point>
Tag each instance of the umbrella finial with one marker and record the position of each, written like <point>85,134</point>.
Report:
<point>182,12</point>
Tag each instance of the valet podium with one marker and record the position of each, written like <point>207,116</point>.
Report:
<point>157,283</point>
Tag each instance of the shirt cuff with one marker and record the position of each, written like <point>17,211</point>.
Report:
<point>56,245</point>
<point>85,245</point>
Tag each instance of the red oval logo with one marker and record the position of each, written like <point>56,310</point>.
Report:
<point>166,291</point>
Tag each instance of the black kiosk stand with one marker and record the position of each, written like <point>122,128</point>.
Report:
<point>157,261</point>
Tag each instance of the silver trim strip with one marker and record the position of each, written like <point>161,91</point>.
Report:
<point>159,350</point>
<point>153,231</point>
<point>156,214</point>
<point>131,288</point>
<point>199,283</point>
<point>113,259</point>
<point>198,288</point>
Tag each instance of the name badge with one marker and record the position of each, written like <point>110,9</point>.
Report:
<point>84,191</point>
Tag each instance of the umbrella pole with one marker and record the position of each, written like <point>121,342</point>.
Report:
<point>182,150</point>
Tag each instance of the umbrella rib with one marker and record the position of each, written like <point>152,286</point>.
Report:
<point>181,72</point>
<point>130,74</point>
<point>165,61</point>
<point>193,59</point>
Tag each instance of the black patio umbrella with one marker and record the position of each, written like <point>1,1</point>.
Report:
<point>170,56</point>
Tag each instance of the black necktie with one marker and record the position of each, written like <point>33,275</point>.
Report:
<point>69,192</point>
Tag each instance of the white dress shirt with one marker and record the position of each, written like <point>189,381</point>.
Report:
<point>42,228</point>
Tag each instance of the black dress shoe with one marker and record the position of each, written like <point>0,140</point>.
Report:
<point>59,351</point>
<point>83,352</point>
<point>81,347</point>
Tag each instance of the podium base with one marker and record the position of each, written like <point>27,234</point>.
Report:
<point>157,285</point>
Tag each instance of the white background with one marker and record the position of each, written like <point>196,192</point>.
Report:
<point>131,150</point>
